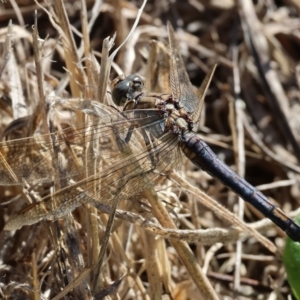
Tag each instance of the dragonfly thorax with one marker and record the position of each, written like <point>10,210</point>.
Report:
<point>177,121</point>
<point>128,91</point>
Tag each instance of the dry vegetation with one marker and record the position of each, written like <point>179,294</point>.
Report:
<point>250,120</point>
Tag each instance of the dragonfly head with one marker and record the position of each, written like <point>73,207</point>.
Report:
<point>125,88</point>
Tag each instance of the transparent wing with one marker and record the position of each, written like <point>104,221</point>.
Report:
<point>181,86</point>
<point>133,150</point>
<point>32,159</point>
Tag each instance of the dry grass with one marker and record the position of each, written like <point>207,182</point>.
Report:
<point>250,119</point>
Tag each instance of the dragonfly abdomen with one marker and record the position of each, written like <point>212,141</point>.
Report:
<point>202,156</point>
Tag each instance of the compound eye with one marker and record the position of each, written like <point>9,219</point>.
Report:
<point>124,88</point>
<point>119,92</point>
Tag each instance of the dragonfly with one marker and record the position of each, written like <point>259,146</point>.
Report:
<point>149,136</point>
